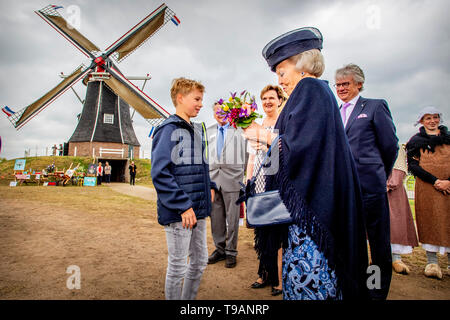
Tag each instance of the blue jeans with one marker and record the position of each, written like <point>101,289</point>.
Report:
<point>181,244</point>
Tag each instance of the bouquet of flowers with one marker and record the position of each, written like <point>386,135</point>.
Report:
<point>50,168</point>
<point>239,111</point>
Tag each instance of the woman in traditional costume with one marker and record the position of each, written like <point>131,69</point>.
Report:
<point>326,254</point>
<point>403,231</point>
<point>429,161</point>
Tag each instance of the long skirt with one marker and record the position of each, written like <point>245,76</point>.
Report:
<point>306,275</point>
<point>403,231</point>
<point>268,240</point>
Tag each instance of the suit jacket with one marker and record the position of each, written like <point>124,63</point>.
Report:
<point>228,170</point>
<point>374,143</point>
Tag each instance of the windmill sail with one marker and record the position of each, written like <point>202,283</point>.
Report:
<point>31,110</point>
<point>136,98</point>
<point>140,33</point>
<point>52,17</point>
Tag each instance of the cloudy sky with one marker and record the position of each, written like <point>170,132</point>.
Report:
<point>402,46</point>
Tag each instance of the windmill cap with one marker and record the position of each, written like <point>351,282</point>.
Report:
<point>291,43</point>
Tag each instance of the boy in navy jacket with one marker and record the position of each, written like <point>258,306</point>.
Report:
<point>180,174</point>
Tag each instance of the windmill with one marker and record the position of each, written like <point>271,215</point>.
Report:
<point>105,122</point>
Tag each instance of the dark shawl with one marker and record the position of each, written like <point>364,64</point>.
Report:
<point>318,182</point>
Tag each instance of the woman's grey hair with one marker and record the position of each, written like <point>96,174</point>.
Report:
<point>354,71</point>
<point>310,61</point>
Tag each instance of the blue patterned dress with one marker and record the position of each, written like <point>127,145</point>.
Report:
<point>306,275</point>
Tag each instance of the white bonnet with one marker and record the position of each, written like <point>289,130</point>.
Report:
<point>428,110</point>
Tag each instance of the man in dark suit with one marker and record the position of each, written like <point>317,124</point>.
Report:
<point>374,144</point>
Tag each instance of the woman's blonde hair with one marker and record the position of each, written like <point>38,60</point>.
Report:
<point>310,61</point>
<point>184,86</point>
<point>277,89</point>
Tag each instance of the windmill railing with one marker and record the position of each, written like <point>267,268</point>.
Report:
<point>110,151</point>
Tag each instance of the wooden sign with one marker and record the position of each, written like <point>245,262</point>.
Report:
<point>92,169</point>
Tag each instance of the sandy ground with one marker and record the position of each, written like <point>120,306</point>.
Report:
<point>120,248</point>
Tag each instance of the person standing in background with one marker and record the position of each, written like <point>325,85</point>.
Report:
<point>428,160</point>
<point>403,231</point>
<point>268,239</point>
<point>107,173</point>
<point>374,144</point>
<point>99,173</point>
<point>227,162</point>
<point>133,169</point>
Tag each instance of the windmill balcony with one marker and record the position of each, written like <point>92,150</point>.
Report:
<point>104,150</point>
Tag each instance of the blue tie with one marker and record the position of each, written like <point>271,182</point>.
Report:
<point>220,141</point>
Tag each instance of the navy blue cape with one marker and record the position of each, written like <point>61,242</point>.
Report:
<point>318,182</point>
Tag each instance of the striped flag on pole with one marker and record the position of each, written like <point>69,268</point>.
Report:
<point>175,20</point>
<point>7,111</point>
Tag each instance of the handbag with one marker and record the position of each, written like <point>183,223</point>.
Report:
<point>265,208</point>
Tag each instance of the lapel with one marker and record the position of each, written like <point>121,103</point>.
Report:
<point>356,111</point>
<point>230,134</point>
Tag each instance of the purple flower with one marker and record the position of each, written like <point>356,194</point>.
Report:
<point>221,113</point>
<point>220,101</point>
<point>233,95</point>
<point>243,113</point>
<point>254,105</point>
<point>243,92</point>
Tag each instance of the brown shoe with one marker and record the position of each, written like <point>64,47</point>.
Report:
<point>400,267</point>
<point>433,270</point>
<point>230,262</point>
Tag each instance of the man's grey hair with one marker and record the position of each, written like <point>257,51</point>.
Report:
<point>354,71</point>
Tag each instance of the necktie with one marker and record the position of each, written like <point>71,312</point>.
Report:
<point>220,141</point>
<point>344,110</point>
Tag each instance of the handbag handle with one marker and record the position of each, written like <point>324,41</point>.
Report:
<point>247,189</point>
<point>267,155</point>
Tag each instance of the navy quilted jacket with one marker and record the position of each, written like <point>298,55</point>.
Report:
<point>180,170</point>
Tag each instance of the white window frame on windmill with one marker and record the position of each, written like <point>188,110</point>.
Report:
<point>108,118</point>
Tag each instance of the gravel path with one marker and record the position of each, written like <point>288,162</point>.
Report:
<point>146,193</point>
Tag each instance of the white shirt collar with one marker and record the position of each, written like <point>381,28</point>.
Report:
<point>353,101</point>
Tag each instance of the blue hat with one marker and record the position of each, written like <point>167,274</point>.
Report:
<point>291,43</point>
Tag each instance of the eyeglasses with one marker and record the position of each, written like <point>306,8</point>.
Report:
<point>343,85</point>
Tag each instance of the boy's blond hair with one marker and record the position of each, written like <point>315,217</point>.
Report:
<point>184,86</point>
